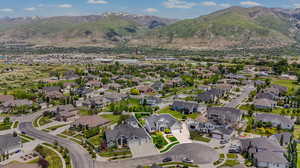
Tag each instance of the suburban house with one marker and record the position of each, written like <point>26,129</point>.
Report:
<point>47,89</point>
<point>266,95</point>
<point>186,107</point>
<point>125,134</point>
<point>90,121</point>
<point>283,139</point>
<point>158,85</point>
<point>114,96</point>
<point>161,122</point>
<point>9,106</point>
<point>264,103</point>
<point>66,113</point>
<point>276,120</point>
<point>265,152</point>
<point>211,96</point>
<point>145,89</point>
<point>150,100</point>
<point>10,144</point>
<point>224,115</point>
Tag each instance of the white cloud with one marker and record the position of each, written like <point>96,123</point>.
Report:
<point>151,10</point>
<point>209,3</point>
<point>250,3</point>
<point>297,5</point>
<point>225,5</point>
<point>97,2</point>
<point>65,6</point>
<point>30,9</point>
<point>6,10</point>
<point>178,4</point>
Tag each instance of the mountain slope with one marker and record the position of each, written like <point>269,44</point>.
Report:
<point>109,27</point>
<point>232,27</point>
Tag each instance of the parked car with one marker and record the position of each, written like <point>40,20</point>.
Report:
<point>167,159</point>
<point>187,160</point>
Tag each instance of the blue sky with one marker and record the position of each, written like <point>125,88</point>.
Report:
<point>165,8</point>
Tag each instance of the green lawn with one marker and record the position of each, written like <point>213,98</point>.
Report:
<point>232,156</point>
<point>96,140</point>
<point>113,118</point>
<point>53,159</point>
<point>298,155</point>
<point>16,124</point>
<point>177,114</point>
<point>198,137</point>
<point>5,126</point>
<point>230,163</point>
<point>53,128</point>
<point>291,85</point>
<point>159,141</point>
<point>297,131</point>
<point>44,120</point>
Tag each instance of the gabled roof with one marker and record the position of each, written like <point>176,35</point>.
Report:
<point>7,141</point>
<point>273,117</point>
<point>91,121</point>
<point>264,102</point>
<point>127,131</point>
<point>270,157</point>
<point>165,119</point>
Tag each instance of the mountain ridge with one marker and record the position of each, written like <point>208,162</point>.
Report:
<point>254,27</point>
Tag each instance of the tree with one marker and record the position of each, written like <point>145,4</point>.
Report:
<point>135,91</point>
<point>43,163</point>
<point>6,120</point>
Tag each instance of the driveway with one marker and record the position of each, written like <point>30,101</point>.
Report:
<point>183,135</point>
<point>142,150</point>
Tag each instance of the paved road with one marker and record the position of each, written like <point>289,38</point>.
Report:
<point>201,154</point>
<point>237,101</point>
<point>80,157</point>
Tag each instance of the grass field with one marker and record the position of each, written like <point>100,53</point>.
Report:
<point>177,114</point>
<point>111,117</point>
<point>53,159</point>
<point>298,155</point>
<point>297,131</point>
<point>5,126</point>
<point>291,85</point>
<point>44,120</point>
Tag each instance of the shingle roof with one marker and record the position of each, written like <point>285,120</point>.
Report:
<point>271,117</point>
<point>270,157</point>
<point>161,119</point>
<point>8,141</point>
<point>126,130</point>
<point>91,121</point>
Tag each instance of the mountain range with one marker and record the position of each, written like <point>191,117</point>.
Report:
<point>234,27</point>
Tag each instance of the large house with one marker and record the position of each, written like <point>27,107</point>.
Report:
<point>266,153</point>
<point>264,103</point>
<point>211,96</point>
<point>276,120</point>
<point>161,122</point>
<point>125,134</point>
<point>224,115</point>
<point>10,144</point>
<point>186,107</point>
<point>150,100</point>
<point>90,121</point>
<point>65,113</point>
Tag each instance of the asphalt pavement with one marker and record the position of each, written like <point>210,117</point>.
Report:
<point>80,158</point>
